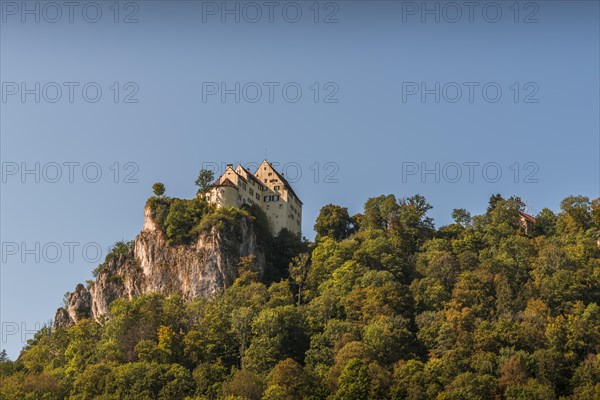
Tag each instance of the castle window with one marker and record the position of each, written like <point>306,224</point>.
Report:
<point>268,198</point>
<point>275,198</point>
<point>270,173</point>
<point>276,188</point>
<point>257,196</point>
<point>280,206</point>
<point>251,192</point>
<point>244,185</point>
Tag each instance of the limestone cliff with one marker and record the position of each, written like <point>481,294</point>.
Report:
<point>196,270</point>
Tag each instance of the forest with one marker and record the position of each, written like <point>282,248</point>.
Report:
<point>382,305</point>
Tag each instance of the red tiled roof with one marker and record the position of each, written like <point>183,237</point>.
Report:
<point>527,217</point>
<point>226,182</point>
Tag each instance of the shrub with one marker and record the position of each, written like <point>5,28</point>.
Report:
<point>222,217</point>
<point>183,217</point>
<point>159,210</point>
<point>117,250</point>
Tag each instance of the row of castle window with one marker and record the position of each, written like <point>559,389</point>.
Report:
<point>272,198</point>
<point>260,187</point>
<point>252,191</point>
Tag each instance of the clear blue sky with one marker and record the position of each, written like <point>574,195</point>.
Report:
<point>374,57</point>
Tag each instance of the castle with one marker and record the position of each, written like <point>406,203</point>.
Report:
<point>266,188</point>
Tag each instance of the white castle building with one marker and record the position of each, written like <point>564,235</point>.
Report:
<point>267,188</point>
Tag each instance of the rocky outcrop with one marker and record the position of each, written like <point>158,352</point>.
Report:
<point>78,306</point>
<point>200,269</point>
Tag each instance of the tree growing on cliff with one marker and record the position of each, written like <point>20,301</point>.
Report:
<point>205,178</point>
<point>159,189</point>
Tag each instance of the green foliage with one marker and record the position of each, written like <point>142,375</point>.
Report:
<point>158,189</point>
<point>205,178</point>
<point>221,218</point>
<point>182,222</point>
<point>461,217</point>
<point>354,382</point>
<point>159,209</point>
<point>394,310</point>
<point>335,222</point>
<point>118,250</point>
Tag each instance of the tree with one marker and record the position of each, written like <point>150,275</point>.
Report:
<point>205,178</point>
<point>245,384</point>
<point>470,386</point>
<point>576,214</point>
<point>380,212</point>
<point>279,333</point>
<point>461,216</point>
<point>494,199</point>
<point>532,390</point>
<point>335,222</point>
<point>545,223</point>
<point>289,379</point>
<point>159,189</point>
<point>354,383</point>
<point>299,268</point>
<point>183,217</point>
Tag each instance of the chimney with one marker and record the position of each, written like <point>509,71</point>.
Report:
<point>230,166</point>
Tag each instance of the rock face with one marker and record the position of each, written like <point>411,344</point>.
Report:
<point>197,270</point>
<point>79,306</point>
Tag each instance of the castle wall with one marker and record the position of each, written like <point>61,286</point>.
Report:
<point>265,189</point>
